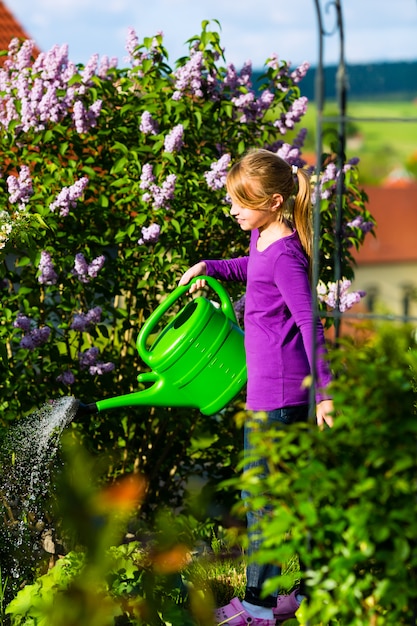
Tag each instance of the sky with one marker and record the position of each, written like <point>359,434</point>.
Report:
<point>374,30</point>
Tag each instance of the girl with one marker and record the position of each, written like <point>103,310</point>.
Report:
<point>272,200</point>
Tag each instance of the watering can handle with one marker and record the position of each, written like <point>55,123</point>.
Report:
<point>153,319</point>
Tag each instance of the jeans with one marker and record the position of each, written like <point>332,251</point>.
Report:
<point>256,574</point>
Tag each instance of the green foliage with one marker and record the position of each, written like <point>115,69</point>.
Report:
<point>151,579</point>
<point>175,449</point>
<point>344,499</point>
<point>123,593</point>
<point>107,221</point>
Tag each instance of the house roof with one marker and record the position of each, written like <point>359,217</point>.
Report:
<point>10,28</point>
<point>394,208</point>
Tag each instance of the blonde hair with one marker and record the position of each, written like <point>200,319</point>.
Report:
<point>259,175</point>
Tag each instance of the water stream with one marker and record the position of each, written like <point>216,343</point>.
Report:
<point>27,455</point>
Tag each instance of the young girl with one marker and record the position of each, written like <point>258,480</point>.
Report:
<point>272,200</point>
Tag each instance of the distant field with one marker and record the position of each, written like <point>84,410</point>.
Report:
<point>381,145</point>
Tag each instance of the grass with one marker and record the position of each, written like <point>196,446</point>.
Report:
<point>220,576</point>
<point>3,586</point>
<point>382,146</point>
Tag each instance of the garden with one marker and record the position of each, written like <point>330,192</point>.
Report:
<point>112,183</point>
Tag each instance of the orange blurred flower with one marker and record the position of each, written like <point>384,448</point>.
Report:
<point>123,496</point>
<point>172,560</point>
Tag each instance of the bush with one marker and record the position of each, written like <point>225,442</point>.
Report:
<point>344,499</point>
<point>122,171</point>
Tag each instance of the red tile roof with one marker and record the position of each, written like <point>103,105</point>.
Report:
<point>10,28</point>
<point>395,211</point>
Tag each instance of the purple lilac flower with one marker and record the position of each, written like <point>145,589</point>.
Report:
<point>132,43</point>
<point>231,79</point>
<point>291,154</point>
<point>188,77</point>
<point>299,140</point>
<point>359,222</point>
<point>245,76</point>
<point>157,196</point>
<point>148,126</point>
<point>42,89</point>
<point>327,183</point>
<point>94,315</point>
<point>298,74</point>
<point>101,368</point>
<point>216,176</point>
<point>336,295</point>
<point>174,140</point>
<point>243,100</point>
<point>353,161</point>
<point>330,173</point>
<point>95,266</point>
<point>150,234</point>
<point>106,64</point>
<point>47,275</point>
<point>88,359</point>
<point>79,322</point>
<point>239,308</point>
<point>90,69</point>
<point>23,322</point>
<point>249,105</point>
<point>48,107</point>
<point>20,187</point>
<point>66,378</point>
<point>234,80</point>
<point>273,61</point>
<point>81,268</point>
<point>68,196</point>
<point>292,116</point>
<point>85,271</point>
<point>162,195</point>
<point>82,320</point>
<point>35,338</point>
<point>24,55</point>
<point>146,177</point>
<point>85,119</point>
<point>265,100</point>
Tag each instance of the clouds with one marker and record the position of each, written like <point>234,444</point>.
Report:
<point>375,30</point>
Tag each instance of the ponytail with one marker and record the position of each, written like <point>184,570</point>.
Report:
<point>302,213</point>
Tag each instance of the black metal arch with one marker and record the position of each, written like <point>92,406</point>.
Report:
<point>330,24</point>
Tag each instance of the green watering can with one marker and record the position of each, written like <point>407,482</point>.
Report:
<point>198,360</point>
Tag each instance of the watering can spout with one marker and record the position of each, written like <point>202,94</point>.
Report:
<point>197,360</point>
<point>86,409</point>
<point>160,393</point>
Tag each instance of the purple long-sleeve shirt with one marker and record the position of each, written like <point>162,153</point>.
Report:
<point>279,326</point>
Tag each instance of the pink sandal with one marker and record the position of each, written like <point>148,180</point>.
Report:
<point>235,614</point>
<point>286,606</point>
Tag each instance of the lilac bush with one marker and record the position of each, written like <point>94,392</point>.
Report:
<point>112,182</point>
<point>45,90</point>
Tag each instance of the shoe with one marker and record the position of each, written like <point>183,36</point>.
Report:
<point>286,606</point>
<point>235,614</point>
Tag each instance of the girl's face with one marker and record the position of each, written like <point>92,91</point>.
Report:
<point>249,219</point>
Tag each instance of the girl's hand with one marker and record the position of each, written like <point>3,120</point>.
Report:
<point>199,269</point>
<point>324,413</point>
